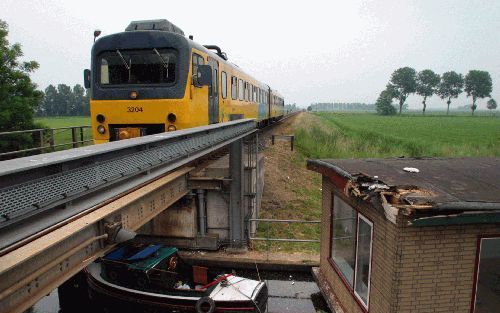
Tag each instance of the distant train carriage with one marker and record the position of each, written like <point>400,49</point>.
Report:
<point>151,79</point>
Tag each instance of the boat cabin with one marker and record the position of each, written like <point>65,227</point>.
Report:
<point>154,267</point>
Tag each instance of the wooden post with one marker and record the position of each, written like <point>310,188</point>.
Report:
<point>52,139</point>
<point>74,137</point>
<point>81,135</point>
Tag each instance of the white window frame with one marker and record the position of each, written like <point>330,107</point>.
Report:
<point>365,305</point>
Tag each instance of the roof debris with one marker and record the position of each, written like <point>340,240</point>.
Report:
<point>411,170</point>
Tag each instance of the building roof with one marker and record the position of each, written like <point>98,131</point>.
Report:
<point>422,186</point>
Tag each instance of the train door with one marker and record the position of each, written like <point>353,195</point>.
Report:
<point>213,93</point>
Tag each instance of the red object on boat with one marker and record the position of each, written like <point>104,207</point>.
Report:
<point>216,281</point>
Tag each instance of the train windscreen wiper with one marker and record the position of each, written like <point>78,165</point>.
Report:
<point>165,63</point>
<point>123,60</point>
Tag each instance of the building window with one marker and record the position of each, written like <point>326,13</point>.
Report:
<point>351,248</point>
<point>224,84</point>
<point>487,289</point>
<point>363,259</point>
<point>344,238</point>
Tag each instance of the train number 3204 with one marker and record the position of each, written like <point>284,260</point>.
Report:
<point>134,109</point>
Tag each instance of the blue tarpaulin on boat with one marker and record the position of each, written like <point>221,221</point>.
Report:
<point>115,255</point>
<point>144,253</point>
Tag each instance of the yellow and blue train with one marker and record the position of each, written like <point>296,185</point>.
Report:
<point>151,79</point>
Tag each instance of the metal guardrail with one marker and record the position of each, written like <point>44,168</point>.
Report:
<point>47,138</point>
<point>77,179</point>
<point>281,221</point>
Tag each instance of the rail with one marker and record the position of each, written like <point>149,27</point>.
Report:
<point>47,138</point>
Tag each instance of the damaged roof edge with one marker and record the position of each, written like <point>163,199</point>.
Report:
<point>467,206</point>
<point>312,165</point>
<point>424,203</point>
<point>458,219</point>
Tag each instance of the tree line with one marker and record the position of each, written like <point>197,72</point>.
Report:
<point>336,106</point>
<point>64,100</point>
<point>406,81</point>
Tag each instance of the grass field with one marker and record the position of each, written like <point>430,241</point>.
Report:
<point>351,135</point>
<point>293,192</point>
<point>63,121</point>
<point>64,135</point>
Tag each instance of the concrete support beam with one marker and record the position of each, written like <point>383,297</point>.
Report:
<point>236,214</point>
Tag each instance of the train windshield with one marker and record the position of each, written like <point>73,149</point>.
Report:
<point>138,67</point>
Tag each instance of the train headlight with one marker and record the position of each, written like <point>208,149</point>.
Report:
<point>133,95</point>
<point>171,117</point>
<point>171,128</point>
<point>101,129</point>
<point>100,118</point>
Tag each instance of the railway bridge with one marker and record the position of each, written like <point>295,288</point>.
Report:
<point>60,211</point>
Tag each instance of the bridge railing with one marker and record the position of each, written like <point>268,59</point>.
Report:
<point>49,139</point>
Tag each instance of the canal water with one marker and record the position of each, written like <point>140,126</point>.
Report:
<point>288,292</point>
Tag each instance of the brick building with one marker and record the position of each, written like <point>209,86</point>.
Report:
<point>410,235</point>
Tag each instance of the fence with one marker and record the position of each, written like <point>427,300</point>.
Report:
<point>268,238</point>
<point>47,139</point>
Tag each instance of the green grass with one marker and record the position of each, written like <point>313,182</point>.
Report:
<point>307,206</point>
<point>63,121</point>
<point>349,135</point>
<point>65,135</point>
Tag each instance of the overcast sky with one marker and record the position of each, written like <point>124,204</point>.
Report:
<point>311,51</point>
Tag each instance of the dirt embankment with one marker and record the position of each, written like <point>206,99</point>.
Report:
<point>290,190</point>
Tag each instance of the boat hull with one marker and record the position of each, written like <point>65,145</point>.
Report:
<point>114,298</point>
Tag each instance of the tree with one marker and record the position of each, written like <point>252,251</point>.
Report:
<point>491,104</point>
<point>78,97</point>
<point>402,84</point>
<point>427,83</point>
<point>64,100</point>
<point>451,86</point>
<point>19,97</point>
<point>384,103</point>
<point>478,84</point>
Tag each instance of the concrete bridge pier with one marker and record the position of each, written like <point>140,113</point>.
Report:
<point>236,215</point>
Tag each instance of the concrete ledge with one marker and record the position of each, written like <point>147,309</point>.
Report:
<point>291,262</point>
<point>326,290</point>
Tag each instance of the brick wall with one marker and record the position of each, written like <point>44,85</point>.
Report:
<point>414,269</point>
<point>436,267</point>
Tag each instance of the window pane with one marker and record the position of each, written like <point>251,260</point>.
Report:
<point>344,238</point>
<point>224,85</point>
<point>488,276</point>
<point>241,90</point>
<point>234,87</point>
<point>149,66</point>
<point>363,259</point>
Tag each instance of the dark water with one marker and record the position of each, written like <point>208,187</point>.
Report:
<point>288,292</point>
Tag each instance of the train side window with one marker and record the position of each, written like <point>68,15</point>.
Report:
<point>234,88</point>
<point>241,90</point>
<point>224,84</point>
<point>246,91</point>
<point>197,60</point>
